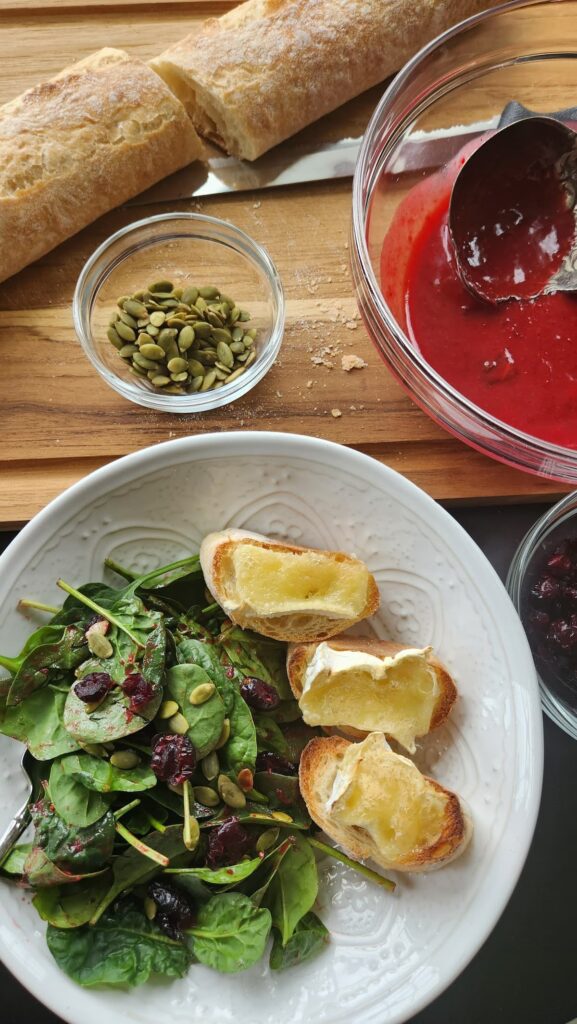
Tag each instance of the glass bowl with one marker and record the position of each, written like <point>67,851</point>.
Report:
<point>188,249</point>
<point>558,682</point>
<point>451,92</point>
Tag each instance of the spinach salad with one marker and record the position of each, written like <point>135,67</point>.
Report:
<point>164,744</point>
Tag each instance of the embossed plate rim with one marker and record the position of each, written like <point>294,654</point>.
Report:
<point>42,978</point>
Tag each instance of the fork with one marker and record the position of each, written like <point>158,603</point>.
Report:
<point>22,817</point>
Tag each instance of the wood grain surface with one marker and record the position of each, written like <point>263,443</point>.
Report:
<point>60,421</point>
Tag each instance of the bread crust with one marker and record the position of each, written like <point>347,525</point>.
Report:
<point>267,68</point>
<point>299,656</point>
<point>79,144</point>
<point>296,627</point>
<point>318,765</point>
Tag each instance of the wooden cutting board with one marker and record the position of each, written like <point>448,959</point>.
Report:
<point>60,421</point>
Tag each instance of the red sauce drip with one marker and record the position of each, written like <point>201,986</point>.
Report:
<point>517,360</point>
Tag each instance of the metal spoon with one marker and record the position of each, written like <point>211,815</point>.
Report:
<point>512,215</point>
<point>22,817</point>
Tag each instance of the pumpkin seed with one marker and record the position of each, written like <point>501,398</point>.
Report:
<point>232,795</point>
<point>159,380</point>
<point>129,320</point>
<point>189,296</point>
<point>237,347</point>
<point>206,796</point>
<point>221,373</point>
<point>251,358</point>
<point>250,334</point>
<point>152,331</point>
<point>124,331</point>
<point>179,378</point>
<point>209,292</point>
<point>225,355</point>
<point>157,318</point>
<point>178,724</point>
<point>125,759</point>
<point>202,693</point>
<point>234,314</point>
<point>224,734</point>
<point>210,766</point>
<point>96,749</point>
<point>267,839</point>
<point>167,709</point>
<point>202,330</point>
<point>135,308</point>
<point>127,351</point>
<point>237,333</point>
<point>152,351</point>
<point>150,907</point>
<point>208,380</point>
<point>214,319</point>
<point>196,383</point>
<point>99,645</point>
<point>161,286</point>
<point>177,365</point>
<point>114,338</point>
<point>235,374</point>
<point>137,371</point>
<point>143,362</point>
<point>243,316</point>
<point>195,368</point>
<point>186,338</point>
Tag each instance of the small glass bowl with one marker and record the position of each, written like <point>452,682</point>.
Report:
<point>188,249</point>
<point>451,92</point>
<point>558,693</point>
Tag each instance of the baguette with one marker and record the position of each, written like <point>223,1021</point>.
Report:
<point>267,68</point>
<point>360,685</point>
<point>74,147</point>
<point>378,806</point>
<point>284,591</point>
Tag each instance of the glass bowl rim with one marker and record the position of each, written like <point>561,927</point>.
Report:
<point>245,246</point>
<point>544,449</point>
<point>557,515</point>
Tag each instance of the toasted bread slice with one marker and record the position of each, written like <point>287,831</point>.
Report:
<point>361,685</point>
<point>377,805</point>
<point>283,591</point>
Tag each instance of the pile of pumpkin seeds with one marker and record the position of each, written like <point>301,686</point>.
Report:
<point>183,340</point>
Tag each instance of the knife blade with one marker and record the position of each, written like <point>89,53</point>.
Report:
<point>288,165</point>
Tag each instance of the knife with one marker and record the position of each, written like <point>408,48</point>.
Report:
<point>294,165</point>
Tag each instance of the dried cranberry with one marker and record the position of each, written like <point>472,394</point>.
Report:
<point>139,690</point>
<point>269,762</point>
<point>538,619</point>
<point>259,695</point>
<point>173,759</point>
<point>175,910</point>
<point>569,593</point>
<point>546,589</point>
<point>563,632</point>
<point>560,564</point>
<point>93,687</point>
<point>228,843</point>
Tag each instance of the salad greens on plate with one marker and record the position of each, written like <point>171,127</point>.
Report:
<point>168,825</point>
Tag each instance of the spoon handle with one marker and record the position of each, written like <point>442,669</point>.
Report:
<point>15,829</point>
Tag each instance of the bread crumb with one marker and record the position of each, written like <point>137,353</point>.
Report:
<point>351,325</point>
<point>351,362</point>
<point>309,383</point>
<point>336,413</point>
<point>256,206</point>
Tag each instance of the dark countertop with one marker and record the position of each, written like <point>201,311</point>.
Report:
<point>525,973</point>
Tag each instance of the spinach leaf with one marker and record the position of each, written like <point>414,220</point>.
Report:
<point>308,940</point>
<point>75,804</point>
<point>240,749</point>
<point>13,863</point>
<point>177,589</point>
<point>283,793</point>
<point>230,933</point>
<point>269,736</point>
<point>38,721</point>
<point>252,655</point>
<point>294,888</point>
<point>296,737</point>
<point>220,876</point>
<point>205,721</point>
<point>124,948</point>
<point>198,652</point>
<point>133,868</point>
<point>77,850</point>
<point>97,774</point>
<point>102,594</point>
<point>138,821</point>
<point>58,650</point>
<point>40,871</point>
<point>71,906</point>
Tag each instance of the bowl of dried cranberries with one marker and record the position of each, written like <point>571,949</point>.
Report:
<point>542,583</point>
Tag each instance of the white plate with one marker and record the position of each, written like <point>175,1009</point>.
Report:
<point>389,955</point>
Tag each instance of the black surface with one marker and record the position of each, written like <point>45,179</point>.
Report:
<point>526,971</point>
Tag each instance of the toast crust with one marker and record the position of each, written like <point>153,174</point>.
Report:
<point>299,656</point>
<point>319,763</point>
<point>296,627</point>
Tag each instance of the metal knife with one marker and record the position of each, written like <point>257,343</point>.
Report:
<point>295,165</point>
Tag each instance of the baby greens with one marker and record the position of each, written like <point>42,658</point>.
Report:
<point>160,840</point>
